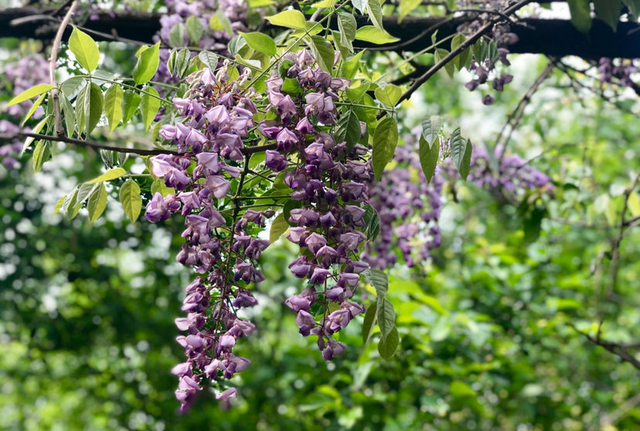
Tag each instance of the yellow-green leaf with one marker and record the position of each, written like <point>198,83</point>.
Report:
<point>34,91</point>
<point>41,154</point>
<point>131,200</point>
<point>85,49</point>
<point>389,95</point>
<point>33,109</point>
<point>149,106</point>
<point>147,64</point>
<point>260,42</point>
<point>111,174</point>
<point>369,33</point>
<point>288,19</point>
<point>278,227</point>
<point>97,202</point>
<point>113,105</point>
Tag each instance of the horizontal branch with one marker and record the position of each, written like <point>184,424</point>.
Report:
<point>100,146</point>
<point>86,144</point>
<point>553,37</point>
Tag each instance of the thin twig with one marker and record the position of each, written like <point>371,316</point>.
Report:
<point>612,347</point>
<point>52,68</point>
<point>100,146</point>
<point>615,252</point>
<point>86,144</point>
<point>455,52</point>
<point>516,115</point>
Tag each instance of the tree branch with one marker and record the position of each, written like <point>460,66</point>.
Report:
<point>100,146</point>
<point>612,347</point>
<point>553,37</point>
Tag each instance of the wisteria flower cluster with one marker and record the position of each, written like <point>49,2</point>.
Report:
<point>209,174</point>
<point>410,208</point>
<point>23,74</point>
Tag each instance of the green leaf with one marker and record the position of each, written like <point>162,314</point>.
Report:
<point>348,129</point>
<point>34,91</point>
<point>387,346</point>
<point>385,140</point>
<point>84,48</point>
<point>176,35</point>
<point>379,280</point>
<point>278,227</point>
<point>361,5</point>
<point>386,317</point>
<point>129,105</point>
<point>431,129</point>
<point>350,68</point>
<point>480,50</point>
<point>580,14</point>
<point>36,129</point>
<point>131,200</point>
<point>323,52</point>
<point>448,67</point>
<point>460,152</point>
<point>220,22</point>
<point>389,95</point>
<point>465,56</point>
<point>259,3</point>
<point>182,60</point>
<point>89,107</point>
<point>149,106</point>
<point>113,105</point>
<point>35,106</point>
<point>209,59</point>
<point>374,10</point>
<point>371,222</point>
<point>406,7</point>
<point>97,202</point>
<point>71,206</point>
<point>111,174</point>
<point>147,64</point>
<point>324,3</point>
<point>608,11</point>
<point>429,155</point>
<point>355,94</point>
<point>369,322</point>
<point>371,34</point>
<point>634,8</point>
<point>260,42</point>
<point>195,30</point>
<point>68,114</point>
<point>93,111</point>
<point>288,19</point>
<point>460,389</point>
<point>41,154</point>
<point>58,206</point>
<point>347,26</point>
<point>160,187</point>
<point>291,86</point>
<point>633,203</point>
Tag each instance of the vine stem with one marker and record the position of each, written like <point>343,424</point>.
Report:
<point>52,68</point>
<point>464,45</point>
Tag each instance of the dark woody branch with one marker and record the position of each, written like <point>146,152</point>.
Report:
<point>551,37</point>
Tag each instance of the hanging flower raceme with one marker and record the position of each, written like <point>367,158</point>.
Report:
<point>215,185</point>
<point>409,207</point>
